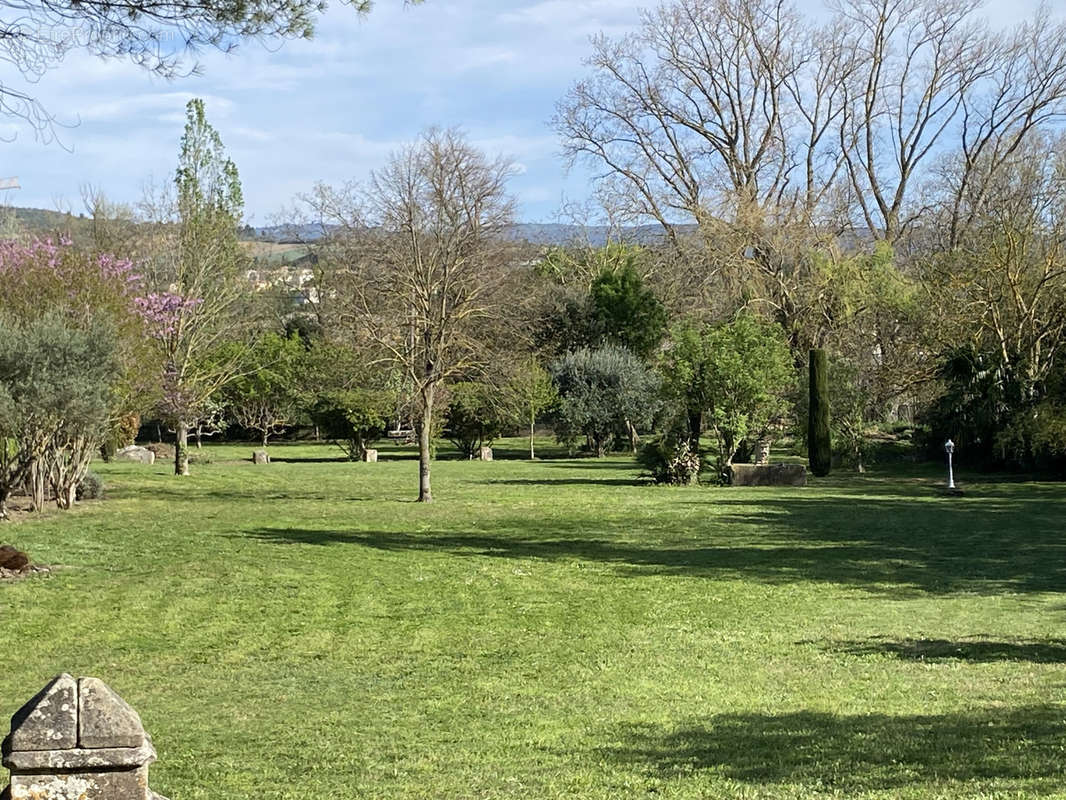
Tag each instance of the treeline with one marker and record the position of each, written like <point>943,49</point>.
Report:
<point>886,185</point>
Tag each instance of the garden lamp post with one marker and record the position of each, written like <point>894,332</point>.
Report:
<point>949,448</point>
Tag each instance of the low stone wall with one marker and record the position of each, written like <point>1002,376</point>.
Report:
<point>76,738</point>
<point>767,475</point>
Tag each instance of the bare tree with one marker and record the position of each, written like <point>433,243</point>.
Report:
<point>740,113</point>
<point>426,255</point>
<point>1003,289</point>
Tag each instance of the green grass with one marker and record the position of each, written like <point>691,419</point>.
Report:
<point>554,629</point>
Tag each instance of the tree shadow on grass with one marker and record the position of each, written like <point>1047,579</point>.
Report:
<point>257,496</point>
<point>308,460</point>
<point>567,481</point>
<point>885,545</point>
<point>852,754</point>
<point>975,650</point>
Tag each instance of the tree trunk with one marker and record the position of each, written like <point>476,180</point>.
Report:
<point>181,448</point>
<point>695,428</point>
<point>66,496</point>
<point>634,437</point>
<point>199,436</point>
<point>266,435</point>
<point>532,455</point>
<point>819,444</point>
<point>35,485</point>
<point>425,493</point>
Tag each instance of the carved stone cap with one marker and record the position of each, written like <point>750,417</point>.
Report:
<point>73,724</point>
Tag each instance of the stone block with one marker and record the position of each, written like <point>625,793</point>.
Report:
<point>49,721</point>
<point>139,455</point>
<point>762,452</point>
<point>370,456</point>
<point>260,457</point>
<point>104,718</point>
<point>485,454</point>
<point>767,475</point>
<point>107,785</point>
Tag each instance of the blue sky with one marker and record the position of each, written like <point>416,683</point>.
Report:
<point>333,108</point>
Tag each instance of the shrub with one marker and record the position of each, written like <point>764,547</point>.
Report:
<point>601,392</point>
<point>474,417</point>
<point>91,487</point>
<point>672,463</point>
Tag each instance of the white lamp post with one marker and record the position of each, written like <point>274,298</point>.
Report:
<point>949,448</point>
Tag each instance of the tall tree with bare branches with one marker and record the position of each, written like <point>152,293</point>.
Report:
<point>420,283</point>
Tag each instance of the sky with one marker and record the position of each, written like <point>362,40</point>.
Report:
<point>333,108</point>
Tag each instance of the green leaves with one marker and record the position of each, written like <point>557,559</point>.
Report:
<point>737,373</point>
<point>600,391</point>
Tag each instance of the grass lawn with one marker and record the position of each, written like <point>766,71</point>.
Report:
<point>551,629</point>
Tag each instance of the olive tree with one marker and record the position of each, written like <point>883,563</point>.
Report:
<point>56,386</point>
<point>602,392</point>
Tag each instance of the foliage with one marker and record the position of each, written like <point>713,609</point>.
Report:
<point>734,375</point>
<point>354,418</point>
<point>626,311</point>
<point>56,385</point>
<point>600,392</point>
<point>475,416</point>
<point>611,306</point>
<point>1001,301</point>
<point>687,376</point>
<point>263,397</point>
<point>670,461</point>
<point>349,401</point>
<point>423,259</point>
<point>90,487</point>
<point>850,410</point>
<point>819,444</point>
<point>196,270</point>
<point>54,278</point>
<point>529,393</point>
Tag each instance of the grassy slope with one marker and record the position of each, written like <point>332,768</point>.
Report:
<point>551,630</point>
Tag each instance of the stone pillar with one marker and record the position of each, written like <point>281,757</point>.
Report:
<point>485,454</point>
<point>77,739</point>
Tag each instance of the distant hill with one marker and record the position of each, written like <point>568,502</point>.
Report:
<point>533,232</point>
<point>43,222</point>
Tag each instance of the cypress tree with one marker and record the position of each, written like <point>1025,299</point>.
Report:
<point>819,446</point>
